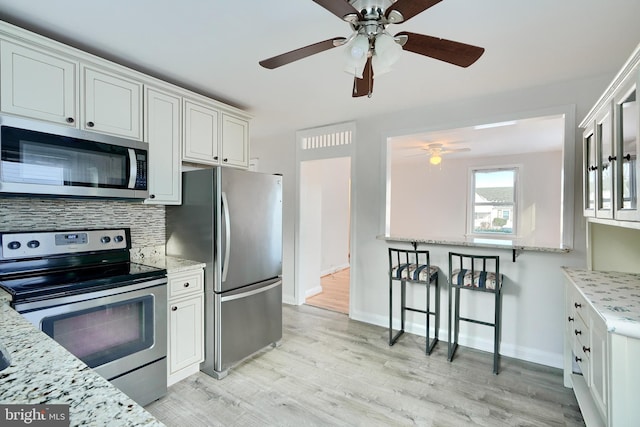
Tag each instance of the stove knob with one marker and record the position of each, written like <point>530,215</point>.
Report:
<point>33,244</point>
<point>105,239</point>
<point>14,245</point>
<point>118,238</point>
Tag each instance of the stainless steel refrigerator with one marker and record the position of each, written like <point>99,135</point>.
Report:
<point>232,220</point>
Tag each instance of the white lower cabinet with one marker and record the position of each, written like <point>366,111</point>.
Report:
<point>600,365</point>
<point>186,325</point>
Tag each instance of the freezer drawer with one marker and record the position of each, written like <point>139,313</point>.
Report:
<point>247,320</point>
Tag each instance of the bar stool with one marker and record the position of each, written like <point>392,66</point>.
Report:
<point>413,266</point>
<point>470,272</point>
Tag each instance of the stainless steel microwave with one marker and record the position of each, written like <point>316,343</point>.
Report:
<point>49,160</point>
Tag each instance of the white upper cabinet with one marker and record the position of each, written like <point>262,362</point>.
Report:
<point>611,145</point>
<point>163,133</point>
<point>235,141</point>
<point>112,104</point>
<point>201,133</point>
<point>37,84</point>
<point>627,140</point>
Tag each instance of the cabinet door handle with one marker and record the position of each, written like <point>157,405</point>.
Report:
<point>627,157</point>
<point>578,359</point>
<point>586,349</point>
<point>70,120</point>
<point>152,196</point>
<point>577,332</point>
<point>577,305</point>
<point>186,285</point>
<point>90,124</point>
<point>225,160</point>
<point>611,158</point>
<point>174,308</point>
<point>215,157</point>
<point>570,319</point>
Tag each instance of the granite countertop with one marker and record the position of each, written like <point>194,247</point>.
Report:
<point>155,257</point>
<point>477,242</point>
<point>43,372</point>
<point>615,295</point>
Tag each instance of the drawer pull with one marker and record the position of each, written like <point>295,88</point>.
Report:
<point>70,120</point>
<point>586,349</point>
<point>577,305</point>
<point>577,332</point>
<point>578,359</point>
<point>186,285</point>
<point>174,308</point>
<point>570,319</point>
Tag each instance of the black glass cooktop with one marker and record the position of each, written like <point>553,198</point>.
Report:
<point>49,284</point>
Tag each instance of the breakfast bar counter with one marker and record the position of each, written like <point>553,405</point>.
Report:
<point>515,246</point>
<point>43,372</point>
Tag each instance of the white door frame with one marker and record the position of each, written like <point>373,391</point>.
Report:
<point>326,142</point>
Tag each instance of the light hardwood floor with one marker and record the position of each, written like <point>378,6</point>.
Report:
<point>335,292</point>
<point>332,371</point>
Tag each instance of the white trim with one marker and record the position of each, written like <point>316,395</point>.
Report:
<point>517,203</point>
<point>334,269</point>
<point>568,160</point>
<point>326,152</point>
<point>313,291</point>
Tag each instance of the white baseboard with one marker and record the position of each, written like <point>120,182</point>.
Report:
<point>509,350</point>
<point>334,269</point>
<point>313,291</point>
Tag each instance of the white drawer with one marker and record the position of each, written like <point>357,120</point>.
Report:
<point>185,283</point>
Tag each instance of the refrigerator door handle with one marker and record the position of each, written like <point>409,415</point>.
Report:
<point>227,230</point>
<point>251,292</point>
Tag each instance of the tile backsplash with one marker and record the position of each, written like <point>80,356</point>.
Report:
<point>25,214</point>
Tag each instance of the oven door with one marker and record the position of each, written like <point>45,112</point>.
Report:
<point>113,331</point>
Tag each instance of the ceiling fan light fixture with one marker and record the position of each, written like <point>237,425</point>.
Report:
<point>435,159</point>
<point>356,55</point>
<point>386,53</point>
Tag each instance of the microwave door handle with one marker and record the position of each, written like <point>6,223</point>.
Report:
<point>227,231</point>
<point>133,168</point>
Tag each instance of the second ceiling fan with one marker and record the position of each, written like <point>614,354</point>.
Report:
<point>371,46</point>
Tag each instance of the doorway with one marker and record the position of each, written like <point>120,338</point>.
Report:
<point>324,158</point>
<point>324,230</point>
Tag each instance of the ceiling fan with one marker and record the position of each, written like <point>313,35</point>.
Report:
<point>370,45</point>
<point>437,150</point>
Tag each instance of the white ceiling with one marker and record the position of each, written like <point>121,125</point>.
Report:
<point>214,47</point>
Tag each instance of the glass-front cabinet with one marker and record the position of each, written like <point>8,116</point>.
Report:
<point>611,144</point>
<point>627,118</point>
<point>605,164</point>
<point>590,168</point>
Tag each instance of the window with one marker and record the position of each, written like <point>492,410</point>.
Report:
<point>493,201</point>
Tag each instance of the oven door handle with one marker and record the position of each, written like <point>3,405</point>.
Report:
<point>227,230</point>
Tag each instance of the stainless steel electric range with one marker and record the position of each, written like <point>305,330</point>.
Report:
<point>81,288</point>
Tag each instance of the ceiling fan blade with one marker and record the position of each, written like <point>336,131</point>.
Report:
<point>364,86</point>
<point>455,53</point>
<point>408,9</point>
<point>455,150</point>
<point>340,8</point>
<point>303,52</point>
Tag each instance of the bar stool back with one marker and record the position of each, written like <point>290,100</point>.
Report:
<point>480,273</point>
<point>414,267</point>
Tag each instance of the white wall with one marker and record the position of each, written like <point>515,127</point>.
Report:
<point>533,299</point>
<point>311,174</point>
<point>336,175</point>
<point>430,201</point>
